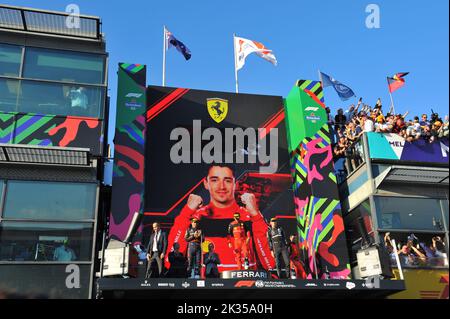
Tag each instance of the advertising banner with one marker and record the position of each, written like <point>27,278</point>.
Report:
<point>388,146</point>
<point>423,284</point>
<point>51,130</point>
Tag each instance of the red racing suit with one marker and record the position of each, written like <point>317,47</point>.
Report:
<point>295,261</point>
<point>237,237</point>
<point>214,222</point>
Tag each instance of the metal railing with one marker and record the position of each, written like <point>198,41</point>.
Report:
<point>49,22</point>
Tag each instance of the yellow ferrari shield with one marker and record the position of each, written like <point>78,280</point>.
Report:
<point>217,109</point>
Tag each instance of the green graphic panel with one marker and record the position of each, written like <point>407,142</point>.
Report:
<point>305,113</point>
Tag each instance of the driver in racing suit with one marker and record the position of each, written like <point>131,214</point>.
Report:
<point>238,239</point>
<point>217,215</point>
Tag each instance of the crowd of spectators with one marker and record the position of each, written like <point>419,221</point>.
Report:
<point>348,126</point>
<point>415,252</point>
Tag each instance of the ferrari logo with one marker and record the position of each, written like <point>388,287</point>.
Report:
<point>217,109</point>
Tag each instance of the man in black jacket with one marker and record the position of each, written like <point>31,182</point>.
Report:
<point>211,261</point>
<point>156,250</point>
<point>279,246</point>
<point>178,263</point>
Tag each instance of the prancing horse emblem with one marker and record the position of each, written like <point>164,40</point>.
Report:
<point>217,109</point>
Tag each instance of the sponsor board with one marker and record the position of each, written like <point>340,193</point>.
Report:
<point>332,284</point>
<point>185,284</point>
<point>132,100</point>
<point>313,118</point>
<point>275,284</point>
<point>245,283</point>
<point>394,147</point>
<point>350,285</point>
<point>146,284</point>
<point>166,285</point>
<point>249,274</point>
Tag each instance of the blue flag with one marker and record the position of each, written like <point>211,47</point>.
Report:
<point>172,41</point>
<point>342,90</point>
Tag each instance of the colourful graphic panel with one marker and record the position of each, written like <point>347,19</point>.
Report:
<point>128,169</point>
<point>318,210</point>
<point>50,130</point>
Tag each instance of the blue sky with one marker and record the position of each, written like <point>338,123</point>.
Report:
<point>305,36</point>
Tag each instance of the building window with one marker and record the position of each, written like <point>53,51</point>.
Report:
<point>43,281</point>
<point>10,60</point>
<point>9,90</point>
<point>445,209</point>
<point>45,242</point>
<point>61,99</point>
<point>65,66</point>
<point>49,201</point>
<point>2,187</point>
<point>416,250</point>
<point>409,213</point>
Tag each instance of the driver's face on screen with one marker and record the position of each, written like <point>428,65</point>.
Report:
<point>220,183</point>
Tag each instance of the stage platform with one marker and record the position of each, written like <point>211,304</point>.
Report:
<point>167,288</point>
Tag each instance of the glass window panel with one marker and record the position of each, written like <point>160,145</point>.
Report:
<point>42,281</point>
<point>33,241</point>
<point>409,213</point>
<point>9,90</point>
<point>416,250</point>
<point>10,59</point>
<point>64,66</point>
<point>60,99</point>
<point>2,183</point>
<point>50,201</point>
<point>446,212</point>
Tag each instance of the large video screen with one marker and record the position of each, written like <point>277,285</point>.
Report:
<point>216,174</point>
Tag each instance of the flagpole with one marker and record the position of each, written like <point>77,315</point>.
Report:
<point>390,94</point>
<point>164,59</point>
<point>235,63</point>
<point>320,78</point>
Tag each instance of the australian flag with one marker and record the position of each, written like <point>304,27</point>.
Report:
<point>173,42</point>
<point>342,90</point>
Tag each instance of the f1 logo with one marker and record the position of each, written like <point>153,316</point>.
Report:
<point>245,283</point>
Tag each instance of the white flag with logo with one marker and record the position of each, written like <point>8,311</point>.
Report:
<point>244,47</point>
